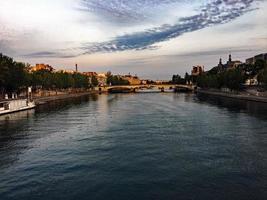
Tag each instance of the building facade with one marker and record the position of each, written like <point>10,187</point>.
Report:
<point>253,60</point>
<point>230,64</point>
<point>133,80</point>
<point>40,67</point>
<point>197,70</point>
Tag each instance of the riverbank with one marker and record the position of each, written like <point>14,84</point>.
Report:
<point>48,99</point>
<point>239,96</point>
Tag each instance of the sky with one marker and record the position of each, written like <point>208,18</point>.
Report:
<point>151,38</point>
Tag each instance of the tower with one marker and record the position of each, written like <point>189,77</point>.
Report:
<point>76,67</point>
<point>220,65</point>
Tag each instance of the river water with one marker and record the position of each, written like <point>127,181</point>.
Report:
<point>135,146</point>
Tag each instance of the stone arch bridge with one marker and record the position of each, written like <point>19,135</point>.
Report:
<point>155,88</point>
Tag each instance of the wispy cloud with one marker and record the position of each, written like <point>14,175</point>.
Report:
<point>50,54</point>
<point>120,11</point>
<point>214,13</point>
<point>209,14</point>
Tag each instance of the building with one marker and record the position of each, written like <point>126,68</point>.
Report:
<point>197,70</point>
<point>102,79</point>
<point>90,76</point>
<point>252,81</point>
<point>230,64</point>
<point>253,60</point>
<point>147,82</point>
<point>67,71</point>
<point>250,61</point>
<point>39,67</point>
<point>133,80</point>
<point>237,63</point>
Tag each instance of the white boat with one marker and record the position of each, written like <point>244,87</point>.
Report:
<point>15,105</point>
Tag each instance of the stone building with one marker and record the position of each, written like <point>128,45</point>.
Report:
<point>253,60</point>
<point>133,80</point>
<point>39,67</point>
<point>197,70</point>
<point>230,64</point>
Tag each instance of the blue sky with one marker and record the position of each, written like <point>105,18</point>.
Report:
<point>151,38</point>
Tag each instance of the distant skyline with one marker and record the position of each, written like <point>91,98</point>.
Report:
<point>151,38</point>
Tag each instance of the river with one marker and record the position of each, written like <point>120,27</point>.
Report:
<point>135,146</point>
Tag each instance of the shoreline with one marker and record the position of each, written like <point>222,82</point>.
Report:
<point>44,100</point>
<point>233,96</point>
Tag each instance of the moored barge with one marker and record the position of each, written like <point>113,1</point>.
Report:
<point>15,105</point>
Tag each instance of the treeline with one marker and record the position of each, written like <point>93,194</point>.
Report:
<point>116,80</point>
<point>231,79</point>
<point>177,79</point>
<point>262,77</point>
<point>57,80</point>
<point>15,76</point>
<point>234,79</point>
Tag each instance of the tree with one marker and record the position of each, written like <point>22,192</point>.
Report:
<point>231,79</point>
<point>177,79</point>
<point>187,78</point>
<point>262,77</point>
<point>12,74</point>
<point>94,81</point>
<point>234,79</point>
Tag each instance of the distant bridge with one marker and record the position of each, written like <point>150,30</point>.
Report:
<point>155,87</point>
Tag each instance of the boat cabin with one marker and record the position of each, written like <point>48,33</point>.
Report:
<point>9,106</point>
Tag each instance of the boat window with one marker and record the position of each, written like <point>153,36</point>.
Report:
<point>6,106</point>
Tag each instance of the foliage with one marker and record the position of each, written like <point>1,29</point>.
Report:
<point>187,78</point>
<point>57,80</point>
<point>116,80</point>
<point>12,74</point>
<point>177,79</point>
<point>262,77</point>
<point>232,79</point>
<point>15,75</point>
<point>94,81</point>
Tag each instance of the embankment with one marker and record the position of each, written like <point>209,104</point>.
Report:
<point>233,96</point>
<point>47,99</point>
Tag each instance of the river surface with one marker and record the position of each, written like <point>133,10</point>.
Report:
<point>136,146</point>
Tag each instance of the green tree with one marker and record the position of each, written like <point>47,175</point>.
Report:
<point>177,79</point>
<point>262,77</point>
<point>94,81</point>
<point>12,74</point>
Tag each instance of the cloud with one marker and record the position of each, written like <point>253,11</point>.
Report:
<point>210,14</point>
<point>214,13</point>
<point>124,11</point>
<point>50,54</point>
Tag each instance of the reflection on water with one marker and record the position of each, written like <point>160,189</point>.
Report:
<point>8,139</point>
<point>256,109</point>
<point>55,106</point>
<point>135,146</point>
<point>16,117</point>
